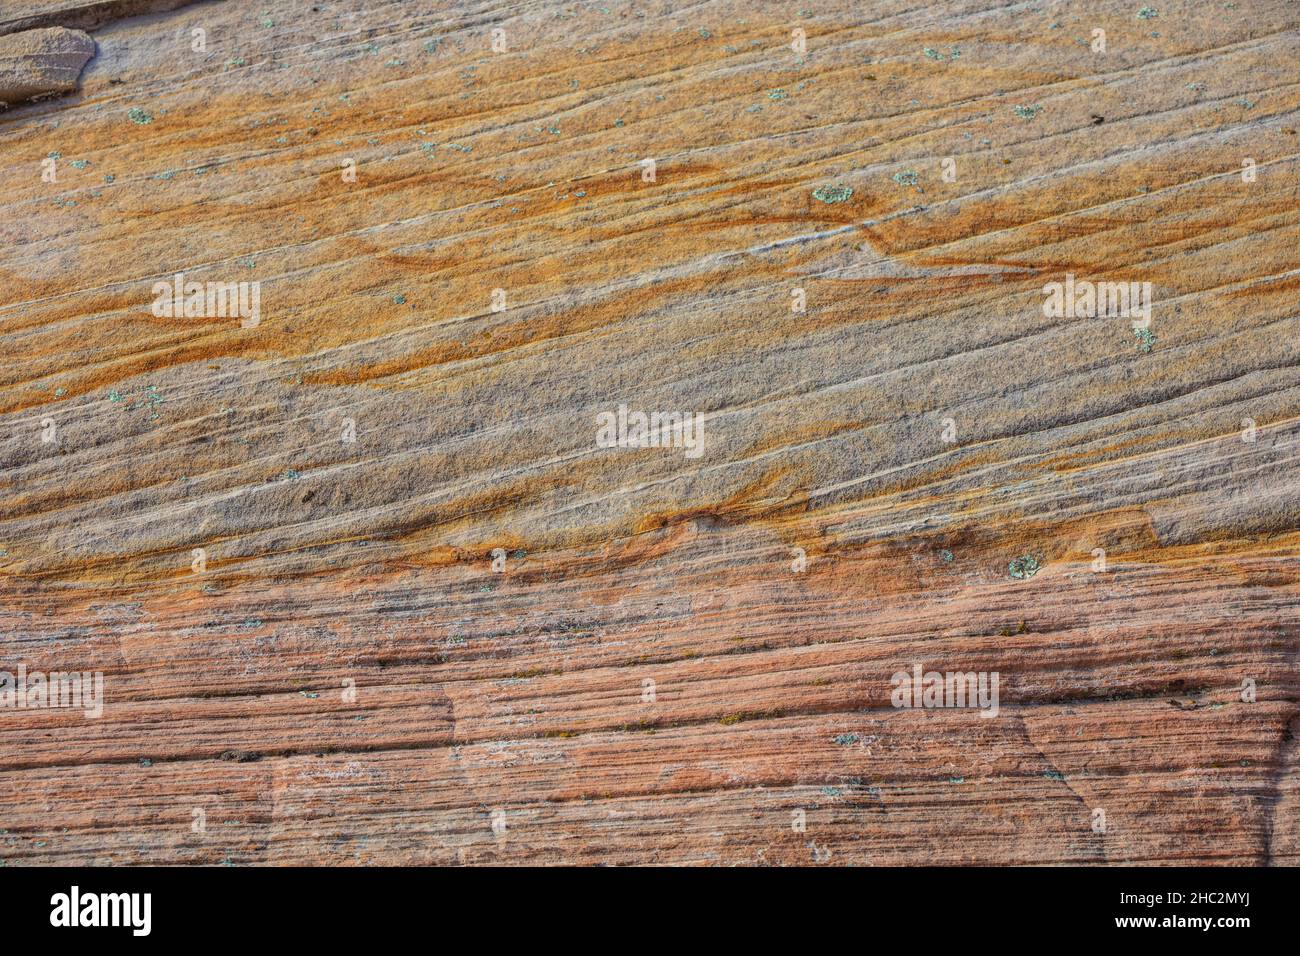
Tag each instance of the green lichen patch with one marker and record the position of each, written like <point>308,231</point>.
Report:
<point>833,194</point>
<point>139,116</point>
<point>150,399</point>
<point>1028,112</point>
<point>1146,340</point>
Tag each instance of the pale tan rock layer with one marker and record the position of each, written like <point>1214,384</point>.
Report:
<point>678,654</point>
<point>18,15</point>
<point>40,62</point>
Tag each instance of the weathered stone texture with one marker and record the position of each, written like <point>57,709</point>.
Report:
<point>678,654</point>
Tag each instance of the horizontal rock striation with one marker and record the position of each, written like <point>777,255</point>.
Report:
<point>40,62</point>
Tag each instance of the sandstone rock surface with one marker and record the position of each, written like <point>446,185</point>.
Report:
<point>37,62</point>
<point>361,582</point>
<point>19,15</point>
